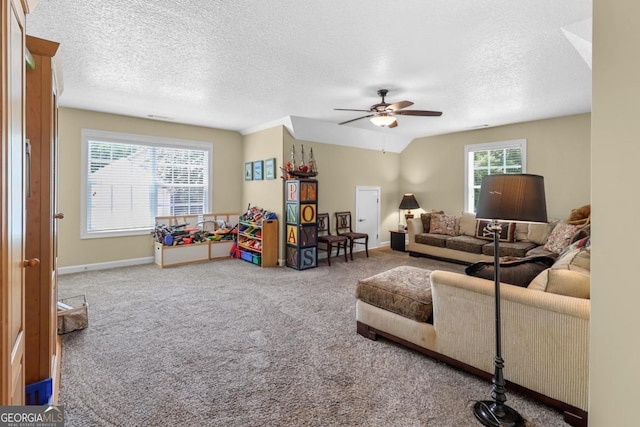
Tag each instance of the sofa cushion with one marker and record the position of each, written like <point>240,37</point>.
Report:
<point>402,290</point>
<point>443,224</point>
<point>560,237</point>
<point>466,244</point>
<point>519,272</point>
<point>563,282</point>
<point>507,234</point>
<point>439,240</point>
<point>514,249</point>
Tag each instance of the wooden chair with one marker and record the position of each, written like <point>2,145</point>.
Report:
<point>343,228</point>
<point>325,236</point>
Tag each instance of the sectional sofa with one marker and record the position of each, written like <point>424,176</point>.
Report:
<point>463,239</point>
<point>451,316</point>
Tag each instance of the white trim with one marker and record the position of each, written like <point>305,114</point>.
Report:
<point>132,138</point>
<point>105,265</point>
<point>470,148</point>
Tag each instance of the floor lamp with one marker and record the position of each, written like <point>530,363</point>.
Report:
<point>510,197</point>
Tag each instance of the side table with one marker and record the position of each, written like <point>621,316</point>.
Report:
<point>398,240</point>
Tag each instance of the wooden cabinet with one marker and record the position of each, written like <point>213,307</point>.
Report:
<point>12,149</point>
<point>41,291</point>
<point>258,242</point>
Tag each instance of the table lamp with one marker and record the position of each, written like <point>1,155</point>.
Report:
<point>409,202</point>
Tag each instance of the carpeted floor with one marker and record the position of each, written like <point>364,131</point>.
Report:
<point>226,343</point>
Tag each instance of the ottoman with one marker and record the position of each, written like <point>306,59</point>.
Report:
<point>397,305</point>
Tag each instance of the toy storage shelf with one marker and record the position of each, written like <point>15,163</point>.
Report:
<point>258,242</point>
<point>170,256</point>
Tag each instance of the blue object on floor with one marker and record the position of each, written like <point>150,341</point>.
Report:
<point>38,393</point>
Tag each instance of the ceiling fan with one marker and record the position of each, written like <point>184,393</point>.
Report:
<point>382,114</point>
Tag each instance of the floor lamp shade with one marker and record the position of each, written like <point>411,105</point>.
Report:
<point>509,197</point>
<point>512,197</point>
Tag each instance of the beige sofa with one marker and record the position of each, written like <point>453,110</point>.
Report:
<point>545,335</point>
<point>463,245</point>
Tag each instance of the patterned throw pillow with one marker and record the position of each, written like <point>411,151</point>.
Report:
<point>508,233</point>
<point>443,224</point>
<point>560,237</point>
<point>426,222</point>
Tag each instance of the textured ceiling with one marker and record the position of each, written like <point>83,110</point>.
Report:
<point>243,65</point>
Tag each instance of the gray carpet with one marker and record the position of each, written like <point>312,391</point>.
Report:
<point>226,343</point>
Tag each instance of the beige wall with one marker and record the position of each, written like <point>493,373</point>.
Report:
<point>615,348</point>
<point>341,169</point>
<point>267,194</point>
<point>558,149</point>
<point>73,251</point>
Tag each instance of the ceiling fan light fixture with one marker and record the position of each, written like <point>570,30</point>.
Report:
<point>383,120</point>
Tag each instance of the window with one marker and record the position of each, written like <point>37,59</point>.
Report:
<point>490,159</point>
<point>128,180</point>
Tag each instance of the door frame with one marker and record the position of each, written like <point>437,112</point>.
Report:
<point>373,242</point>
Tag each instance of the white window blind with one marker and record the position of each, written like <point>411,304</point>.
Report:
<point>491,159</point>
<point>131,179</point>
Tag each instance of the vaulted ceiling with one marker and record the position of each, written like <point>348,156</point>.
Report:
<point>245,65</point>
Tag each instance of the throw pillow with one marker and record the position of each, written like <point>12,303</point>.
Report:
<point>506,235</point>
<point>467,224</point>
<point>539,232</point>
<point>578,259</point>
<point>426,222</point>
<point>520,272</point>
<point>563,282</point>
<point>522,231</point>
<point>443,224</point>
<point>560,237</point>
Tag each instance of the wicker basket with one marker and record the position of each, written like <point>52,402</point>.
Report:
<point>72,314</point>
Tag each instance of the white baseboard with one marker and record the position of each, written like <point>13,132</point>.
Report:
<point>105,265</point>
<point>150,260</point>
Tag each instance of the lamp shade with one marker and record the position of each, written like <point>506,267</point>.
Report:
<point>512,197</point>
<point>409,202</point>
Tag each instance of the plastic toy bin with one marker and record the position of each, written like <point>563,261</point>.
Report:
<point>246,255</point>
<point>38,393</point>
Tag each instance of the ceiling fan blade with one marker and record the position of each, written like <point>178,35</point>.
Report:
<point>351,109</point>
<point>393,125</point>
<point>358,118</point>
<point>399,105</point>
<point>417,113</point>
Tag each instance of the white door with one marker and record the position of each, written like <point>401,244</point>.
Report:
<point>367,215</point>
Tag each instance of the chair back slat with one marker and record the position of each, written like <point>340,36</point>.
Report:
<point>323,224</point>
<point>343,222</point>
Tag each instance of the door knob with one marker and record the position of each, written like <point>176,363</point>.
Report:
<point>30,262</point>
<point>361,220</point>
<point>59,215</point>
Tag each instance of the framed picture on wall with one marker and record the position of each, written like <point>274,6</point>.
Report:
<point>270,168</point>
<point>257,170</point>
<point>248,171</point>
